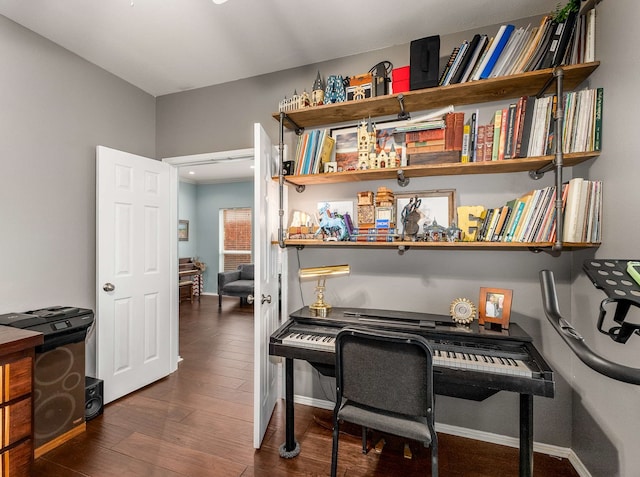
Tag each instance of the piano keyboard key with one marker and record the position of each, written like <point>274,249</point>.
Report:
<point>451,358</point>
<point>479,362</point>
<point>305,340</point>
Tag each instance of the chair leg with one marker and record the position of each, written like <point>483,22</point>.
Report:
<point>434,458</point>
<point>219,300</point>
<point>364,440</point>
<point>334,449</point>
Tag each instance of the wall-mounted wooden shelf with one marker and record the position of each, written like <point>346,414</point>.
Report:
<point>492,89</point>
<point>441,245</point>
<point>493,167</point>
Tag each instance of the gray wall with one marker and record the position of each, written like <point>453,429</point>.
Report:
<point>55,108</point>
<point>606,414</point>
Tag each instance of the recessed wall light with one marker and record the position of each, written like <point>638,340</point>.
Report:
<point>218,2</point>
<point>192,173</point>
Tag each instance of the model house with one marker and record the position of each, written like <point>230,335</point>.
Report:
<point>56,107</point>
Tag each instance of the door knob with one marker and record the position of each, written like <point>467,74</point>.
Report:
<point>250,299</point>
<point>108,287</point>
<point>265,298</point>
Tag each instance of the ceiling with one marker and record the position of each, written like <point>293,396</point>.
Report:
<point>168,46</point>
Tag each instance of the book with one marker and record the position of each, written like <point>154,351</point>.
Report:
<point>480,143</point>
<point>448,65</point>
<point>532,46</point>
<point>567,33</point>
<point>326,150</point>
<point>503,134</point>
<point>464,153</point>
<point>516,208</point>
<point>519,208</point>
<point>488,142</point>
<point>427,134</point>
<point>590,41</point>
<point>571,212</point>
<point>483,222</point>
<point>473,135</point>
<point>510,129</point>
<point>475,58</point>
<point>511,49</point>
<point>597,120</point>
<point>464,63</point>
<point>524,126</point>
<point>538,214</point>
<point>433,157</point>
<point>497,127</point>
<point>462,51</point>
<point>542,232</point>
<point>411,150</point>
<point>502,217</point>
<point>541,48</point>
<point>530,199</point>
<point>497,46</point>
<point>486,225</point>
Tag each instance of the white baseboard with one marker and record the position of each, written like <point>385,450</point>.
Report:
<point>547,449</point>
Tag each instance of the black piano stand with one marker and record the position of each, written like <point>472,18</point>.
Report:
<point>291,447</point>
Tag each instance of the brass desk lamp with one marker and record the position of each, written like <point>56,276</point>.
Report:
<point>320,307</point>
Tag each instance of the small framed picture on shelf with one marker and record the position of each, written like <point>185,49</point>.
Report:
<point>346,148</point>
<point>495,307</point>
<point>330,167</point>
<point>438,205</point>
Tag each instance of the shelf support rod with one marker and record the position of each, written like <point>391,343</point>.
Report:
<point>558,73</point>
<point>402,115</point>
<point>281,182</point>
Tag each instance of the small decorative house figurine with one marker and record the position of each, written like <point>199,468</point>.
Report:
<point>434,232</point>
<point>317,92</point>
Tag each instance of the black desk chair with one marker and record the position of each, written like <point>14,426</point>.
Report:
<point>384,381</point>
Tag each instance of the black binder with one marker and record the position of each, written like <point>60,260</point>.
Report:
<point>424,57</point>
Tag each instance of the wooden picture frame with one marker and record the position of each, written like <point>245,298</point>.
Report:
<point>494,307</point>
<point>183,230</point>
<point>436,204</point>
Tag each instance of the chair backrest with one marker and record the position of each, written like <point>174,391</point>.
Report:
<point>386,370</point>
<point>246,271</point>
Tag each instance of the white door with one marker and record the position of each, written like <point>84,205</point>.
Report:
<point>267,258</point>
<point>135,313</point>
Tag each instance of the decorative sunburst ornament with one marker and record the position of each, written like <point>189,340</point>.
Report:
<point>462,311</point>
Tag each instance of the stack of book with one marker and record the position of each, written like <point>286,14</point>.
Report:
<point>374,234</point>
<point>517,50</point>
<point>526,128</point>
<point>435,140</point>
<point>531,218</point>
<point>314,149</point>
<point>583,211</point>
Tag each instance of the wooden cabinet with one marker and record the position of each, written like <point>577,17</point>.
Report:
<point>17,355</point>
<point>494,89</point>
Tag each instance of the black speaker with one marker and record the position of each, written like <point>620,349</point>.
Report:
<point>93,396</point>
<point>424,62</point>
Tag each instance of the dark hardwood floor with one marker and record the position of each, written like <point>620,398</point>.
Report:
<point>198,422</point>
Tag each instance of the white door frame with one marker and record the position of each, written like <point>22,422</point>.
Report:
<point>176,162</point>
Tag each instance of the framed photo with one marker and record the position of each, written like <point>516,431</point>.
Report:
<point>183,230</point>
<point>433,204</point>
<point>495,307</point>
<point>330,167</point>
<point>346,148</point>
